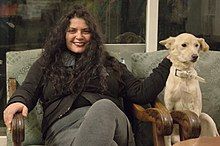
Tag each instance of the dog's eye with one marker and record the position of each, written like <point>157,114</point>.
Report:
<point>184,45</point>
<point>196,45</point>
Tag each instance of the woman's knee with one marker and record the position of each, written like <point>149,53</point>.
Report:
<point>105,106</point>
<point>105,102</point>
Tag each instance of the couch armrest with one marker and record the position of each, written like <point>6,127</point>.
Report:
<point>190,126</point>
<point>160,118</point>
<point>163,120</point>
<point>189,123</point>
<point>18,129</point>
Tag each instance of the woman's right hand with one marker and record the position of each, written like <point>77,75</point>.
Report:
<point>10,111</point>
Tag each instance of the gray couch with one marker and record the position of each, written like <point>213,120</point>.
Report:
<point>141,65</point>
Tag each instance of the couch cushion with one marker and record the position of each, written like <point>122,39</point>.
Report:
<point>207,67</point>
<point>143,63</point>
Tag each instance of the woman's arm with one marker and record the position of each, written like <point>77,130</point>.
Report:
<point>28,92</point>
<point>146,91</point>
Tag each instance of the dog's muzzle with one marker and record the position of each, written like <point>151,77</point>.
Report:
<point>194,57</point>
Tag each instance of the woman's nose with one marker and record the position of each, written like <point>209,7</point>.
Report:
<point>79,35</point>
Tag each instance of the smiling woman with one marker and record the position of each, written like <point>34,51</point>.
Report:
<point>77,35</point>
<point>82,87</point>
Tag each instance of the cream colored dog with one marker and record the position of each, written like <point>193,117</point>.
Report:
<point>182,91</point>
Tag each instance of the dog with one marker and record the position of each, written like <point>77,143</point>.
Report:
<point>182,90</point>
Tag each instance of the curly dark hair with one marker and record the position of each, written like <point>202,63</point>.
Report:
<point>91,61</point>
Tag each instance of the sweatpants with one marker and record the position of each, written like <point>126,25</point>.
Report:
<point>102,124</point>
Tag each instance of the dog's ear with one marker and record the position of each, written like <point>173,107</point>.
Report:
<point>204,46</point>
<point>168,42</point>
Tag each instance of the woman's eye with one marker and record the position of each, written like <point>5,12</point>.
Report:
<point>184,45</point>
<point>86,31</point>
<point>71,31</point>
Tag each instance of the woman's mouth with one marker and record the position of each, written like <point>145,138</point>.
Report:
<point>79,44</point>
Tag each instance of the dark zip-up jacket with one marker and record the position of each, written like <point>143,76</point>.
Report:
<point>57,106</point>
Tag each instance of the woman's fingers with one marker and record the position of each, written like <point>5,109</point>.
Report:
<point>25,111</point>
<point>8,116</point>
<point>10,111</point>
<point>7,120</point>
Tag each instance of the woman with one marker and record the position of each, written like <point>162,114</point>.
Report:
<point>81,86</point>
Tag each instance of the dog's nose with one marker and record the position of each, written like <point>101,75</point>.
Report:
<point>194,57</point>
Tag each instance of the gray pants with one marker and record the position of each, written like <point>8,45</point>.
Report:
<point>102,124</point>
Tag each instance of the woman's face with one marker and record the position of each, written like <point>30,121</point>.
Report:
<point>78,35</point>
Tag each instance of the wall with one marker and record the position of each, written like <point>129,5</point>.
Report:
<point>216,31</point>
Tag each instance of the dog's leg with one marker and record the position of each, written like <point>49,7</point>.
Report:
<point>169,105</point>
<point>175,135</point>
<point>167,140</point>
<point>208,126</point>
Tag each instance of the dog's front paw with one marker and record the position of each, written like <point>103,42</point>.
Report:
<point>175,139</point>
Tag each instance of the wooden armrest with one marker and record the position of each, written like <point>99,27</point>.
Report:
<point>12,85</point>
<point>188,121</point>
<point>158,104</point>
<point>189,124</point>
<point>160,118</point>
<point>18,129</point>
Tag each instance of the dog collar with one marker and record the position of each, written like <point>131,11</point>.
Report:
<point>188,75</point>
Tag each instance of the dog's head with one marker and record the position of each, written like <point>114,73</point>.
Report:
<point>185,48</point>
